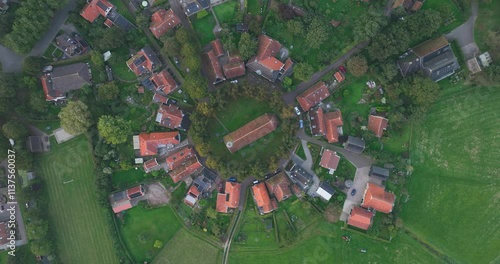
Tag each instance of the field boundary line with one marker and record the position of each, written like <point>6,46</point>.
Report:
<point>429,248</point>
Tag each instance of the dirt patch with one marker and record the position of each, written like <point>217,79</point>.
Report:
<point>157,194</point>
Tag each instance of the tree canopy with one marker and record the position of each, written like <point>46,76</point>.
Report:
<point>108,91</point>
<point>114,130</point>
<point>75,117</point>
<point>303,71</point>
<point>357,65</point>
<point>247,46</point>
<point>15,129</point>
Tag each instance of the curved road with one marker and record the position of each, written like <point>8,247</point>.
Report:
<point>464,34</point>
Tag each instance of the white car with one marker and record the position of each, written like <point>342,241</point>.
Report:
<point>297,110</point>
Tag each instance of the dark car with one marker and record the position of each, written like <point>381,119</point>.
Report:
<point>232,179</point>
<point>353,192</point>
<point>342,69</point>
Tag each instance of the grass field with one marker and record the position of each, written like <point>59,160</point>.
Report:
<point>126,178</point>
<point>155,224</point>
<point>204,27</point>
<point>82,234</point>
<point>454,195</point>
<point>185,248</point>
<point>327,246</point>
<point>225,12</point>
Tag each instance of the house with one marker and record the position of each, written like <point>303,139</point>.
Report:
<point>313,96</point>
<point>261,197</point>
<point>266,64</point>
<point>136,191</point>
<point>255,129</point>
<point>150,144</point>
<point>234,67</point>
<point>333,122</point>
<point>182,163</point>
<point>126,199</point>
<point>161,81</point>
<point>377,124</point>
<point>192,7</point>
<point>94,8</point>
<point>200,186</point>
<point>64,79</point>
<point>325,191</point>
<point>434,57</point>
<point>217,75</point>
<point>300,176</point>
<point>413,5</point>
<point>329,160</point>
<point>170,116</point>
<point>4,232</point>
<point>158,98</point>
<point>354,144</point>
<point>222,66</point>
<point>279,186</point>
<point>162,21</point>
<point>192,196</point>
<point>70,45</point>
<point>379,172</point>
<point>229,198</point>
<point>37,144</point>
<point>377,198</point>
<point>242,27</point>
<point>150,165</point>
<point>318,126</point>
<point>145,61</point>
<point>339,77</point>
<point>360,218</point>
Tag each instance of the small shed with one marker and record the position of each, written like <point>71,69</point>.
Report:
<point>325,191</point>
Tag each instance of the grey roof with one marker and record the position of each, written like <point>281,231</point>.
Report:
<point>204,3</point>
<point>70,77</point>
<point>263,71</point>
<point>202,183</point>
<point>409,63</point>
<point>35,144</point>
<point>327,187</point>
<point>120,21</point>
<point>152,56</point>
<point>354,144</point>
<point>192,8</point>
<point>119,197</point>
<point>441,66</point>
<point>379,172</point>
<point>300,176</point>
<point>242,27</point>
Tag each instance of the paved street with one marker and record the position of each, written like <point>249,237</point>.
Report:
<point>11,62</point>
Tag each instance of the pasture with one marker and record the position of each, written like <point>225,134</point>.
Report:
<point>82,233</point>
<point>453,192</point>
<point>141,227</point>
<point>185,248</point>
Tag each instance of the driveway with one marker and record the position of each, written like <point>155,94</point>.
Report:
<point>11,62</point>
<point>464,34</point>
<point>289,98</point>
<point>176,6</point>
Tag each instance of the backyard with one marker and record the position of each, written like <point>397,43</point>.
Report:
<point>141,227</point>
<point>126,178</point>
<point>225,12</point>
<point>204,27</point>
<point>82,234</point>
<point>455,156</point>
<point>118,63</point>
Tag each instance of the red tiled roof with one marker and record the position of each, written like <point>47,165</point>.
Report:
<point>163,21</point>
<point>146,63</point>
<point>175,160</point>
<point>194,191</point>
<point>250,132</point>
<point>234,68</point>
<point>187,168</point>
<point>217,48</point>
<point>121,206</point>
<point>279,185</point>
<point>318,126</point>
<point>108,22</point>
<point>333,120</point>
<point>140,89</point>
<point>169,116</point>
<point>148,165</point>
<point>377,198</point>
<point>272,63</point>
<point>216,67</point>
<point>262,199</point>
<point>149,143</point>
<point>329,159</point>
<point>230,198</point>
<point>313,96</point>
<point>160,98</point>
<point>417,6</point>
<point>95,8</point>
<point>268,47</point>
<point>296,190</point>
<point>164,81</point>
<point>377,124</point>
<point>339,76</point>
<point>134,190</point>
<point>288,64</point>
<point>45,85</point>
<point>360,218</point>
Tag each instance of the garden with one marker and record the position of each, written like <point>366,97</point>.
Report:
<point>204,28</point>
<point>226,12</point>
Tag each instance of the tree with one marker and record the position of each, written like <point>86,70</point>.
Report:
<point>97,59</point>
<point>41,247</point>
<point>196,86</point>
<point>357,65</point>
<point>216,230</point>
<point>24,159</point>
<point>15,129</point>
<point>367,26</point>
<point>8,84</point>
<point>37,229</point>
<point>108,91</point>
<point>32,66</point>
<point>182,35</point>
<point>205,108</point>
<point>211,213</point>
<point>115,130</point>
<point>247,46</point>
<point>4,145</point>
<point>295,27</point>
<point>303,71</point>
<point>317,33</point>
<point>387,72</point>
<point>141,20</point>
<point>75,117</point>
<point>37,102</point>
<point>158,244</point>
<point>422,91</point>
<point>171,47</point>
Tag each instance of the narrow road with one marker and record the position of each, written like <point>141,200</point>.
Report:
<point>464,34</point>
<point>289,98</point>
<point>11,62</point>
<point>176,6</point>
<point>243,192</point>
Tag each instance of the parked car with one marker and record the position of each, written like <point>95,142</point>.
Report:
<point>353,192</point>
<point>232,179</point>
<point>301,122</point>
<point>342,69</point>
<point>297,110</point>
<point>255,182</point>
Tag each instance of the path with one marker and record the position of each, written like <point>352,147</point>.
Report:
<point>464,34</point>
<point>290,97</point>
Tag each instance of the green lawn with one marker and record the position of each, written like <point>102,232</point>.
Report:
<point>118,63</point>
<point>47,126</point>
<point>80,224</point>
<point>155,224</point>
<point>126,178</point>
<point>300,152</point>
<point>225,12</point>
<point>327,246</point>
<point>254,6</point>
<point>185,248</point>
<point>204,27</point>
<point>301,213</point>
<point>48,53</point>
<point>454,195</point>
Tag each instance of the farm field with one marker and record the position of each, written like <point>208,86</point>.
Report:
<point>152,224</point>
<point>328,247</point>
<point>185,248</point>
<point>454,196</point>
<point>204,27</point>
<point>82,234</point>
<point>225,12</point>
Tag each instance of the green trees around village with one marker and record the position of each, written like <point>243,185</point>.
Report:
<point>357,65</point>
<point>247,46</point>
<point>15,129</point>
<point>75,117</point>
<point>108,91</point>
<point>303,71</point>
<point>115,130</point>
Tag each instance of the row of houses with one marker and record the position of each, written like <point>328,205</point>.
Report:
<point>96,8</point>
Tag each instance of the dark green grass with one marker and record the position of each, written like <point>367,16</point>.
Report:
<point>225,12</point>
<point>119,64</point>
<point>204,27</point>
<point>453,201</point>
<point>80,224</point>
<point>156,224</point>
<point>300,152</point>
<point>126,178</point>
<point>254,6</point>
<point>44,125</point>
